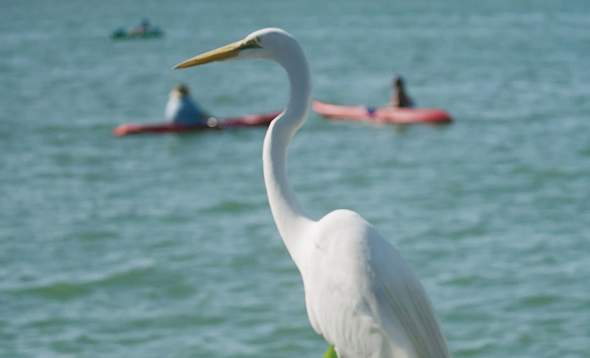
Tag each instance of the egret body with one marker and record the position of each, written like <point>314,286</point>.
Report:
<point>360,294</point>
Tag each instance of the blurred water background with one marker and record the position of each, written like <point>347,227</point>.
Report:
<point>163,246</point>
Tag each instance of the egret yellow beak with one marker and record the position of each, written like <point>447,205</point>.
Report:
<point>223,53</point>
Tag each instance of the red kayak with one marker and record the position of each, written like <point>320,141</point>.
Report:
<point>252,120</point>
<point>384,115</point>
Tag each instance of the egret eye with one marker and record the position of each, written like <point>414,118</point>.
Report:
<point>252,44</point>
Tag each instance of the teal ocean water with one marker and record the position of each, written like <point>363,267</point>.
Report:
<point>164,246</point>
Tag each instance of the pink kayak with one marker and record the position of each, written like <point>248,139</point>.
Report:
<point>382,114</point>
<point>253,120</point>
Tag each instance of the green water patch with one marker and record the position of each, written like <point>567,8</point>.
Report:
<point>59,291</point>
<point>538,300</point>
<point>230,207</point>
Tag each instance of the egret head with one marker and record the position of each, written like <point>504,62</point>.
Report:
<point>265,43</point>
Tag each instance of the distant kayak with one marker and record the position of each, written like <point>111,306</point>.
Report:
<point>386,115</point>
<point>253,120</point>
<point>122,34</point>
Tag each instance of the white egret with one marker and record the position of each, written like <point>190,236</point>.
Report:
<point>360,295</point>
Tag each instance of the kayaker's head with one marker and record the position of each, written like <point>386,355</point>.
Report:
<point>398,82</point>
<point>181,90</point>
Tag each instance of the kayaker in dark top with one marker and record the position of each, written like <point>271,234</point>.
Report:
<point>400,98</point>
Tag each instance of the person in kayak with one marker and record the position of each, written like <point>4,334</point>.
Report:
<point>144,27</point>
<point>182,109</point>
<point>400,98</point>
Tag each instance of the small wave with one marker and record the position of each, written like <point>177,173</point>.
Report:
<point>66,287</point>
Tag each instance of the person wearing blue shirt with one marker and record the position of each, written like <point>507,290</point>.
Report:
<point>183,110</point>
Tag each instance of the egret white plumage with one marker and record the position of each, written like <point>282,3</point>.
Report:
<point>360,294</point>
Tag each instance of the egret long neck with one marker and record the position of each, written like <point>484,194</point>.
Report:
<point>287,213</point>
